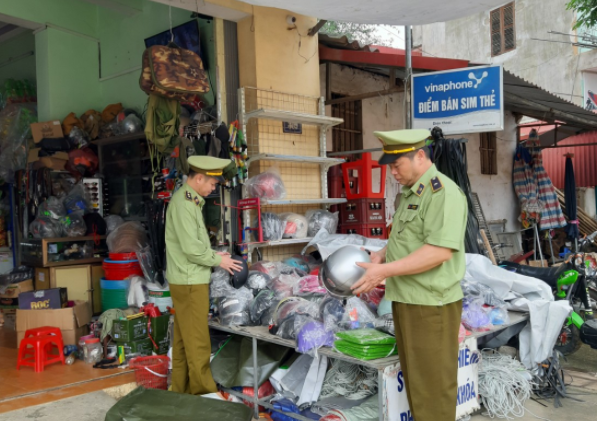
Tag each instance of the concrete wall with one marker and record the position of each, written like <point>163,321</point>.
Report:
<point>22,68</point>
<point>496,192</point>
<point>386,113</point>
<point>553,66</point>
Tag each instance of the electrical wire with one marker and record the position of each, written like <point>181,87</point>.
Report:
<point>504,386</point>
<point>350,381</point>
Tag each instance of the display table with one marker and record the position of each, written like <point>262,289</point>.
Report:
<point>261,333</point>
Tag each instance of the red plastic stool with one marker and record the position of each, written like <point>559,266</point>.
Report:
<point>35,352</point>
<point>43,331</point>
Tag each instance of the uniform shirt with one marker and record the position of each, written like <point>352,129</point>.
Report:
<point>434,211</point>
<point>188,251</point>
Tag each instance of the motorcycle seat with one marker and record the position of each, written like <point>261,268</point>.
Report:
<point>548,275</point>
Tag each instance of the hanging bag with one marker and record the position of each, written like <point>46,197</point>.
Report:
<point>173,72</point>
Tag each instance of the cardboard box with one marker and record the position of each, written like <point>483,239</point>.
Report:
<point>129,330</point>
<point>46,129</point>
<point>42,278</point>
<point>72,321</point>
<point>34,155</point>
<point>45,299</point>
<point>10,321</point>
<point>10,299</point>
<point>50,162</point>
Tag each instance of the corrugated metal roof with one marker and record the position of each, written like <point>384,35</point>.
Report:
<point>344,43</point>
<point>585,159</point>
<point>533,101</point>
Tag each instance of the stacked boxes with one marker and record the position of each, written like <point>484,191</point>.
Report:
<point>135,336</point>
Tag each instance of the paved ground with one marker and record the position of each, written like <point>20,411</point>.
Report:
<point>93,406</point>
<point>585,359</point>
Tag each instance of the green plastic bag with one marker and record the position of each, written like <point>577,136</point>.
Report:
<point>367,337</point>
<point>365,352</point>
<point>159,405</point>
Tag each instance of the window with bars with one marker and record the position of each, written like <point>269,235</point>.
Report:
<point>347,136</point>
<point>488,153</point>
<point>503,33</point>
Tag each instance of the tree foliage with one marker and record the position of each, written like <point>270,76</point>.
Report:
<point>586,13</point>
<point>364,33</point>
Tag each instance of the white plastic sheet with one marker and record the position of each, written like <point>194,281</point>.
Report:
<point>390,12</point>
<point>523,293</point>
<point>327,243</point>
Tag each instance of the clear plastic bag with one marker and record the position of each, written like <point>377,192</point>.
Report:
<point>78,138</point>
<point>299,262</point>
<point>15,121</point>
<point>357,315</point>
<point>76,201</point>
<point>127,238</point>
<point>308,285</point>
<point>499,316</point>
<point>474,289</point>
<point>321,218</point>
<point>258,281</point>
<point>73,225</point>
<point>44,227</point>
<point>366,337</point>
<point>145,257</point>
<point>113,222</point>
<point>385,323</point>
<point>258,310</point>
<point>297,225</point>
<point>474,316</point>
<point>283,285</point>
<point>313,335</point>
<point>373,297</point>
<point>233,309</point>
<point>219,284</point>
<point>271,226</point>
<point>331,311</point>
<point>267,185</point>
<point>269,268</point>
<point>52,208</point>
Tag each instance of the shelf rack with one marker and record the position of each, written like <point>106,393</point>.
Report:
<point>296,109</point>
<point>261,333</point>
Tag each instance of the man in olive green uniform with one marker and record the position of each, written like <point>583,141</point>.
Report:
<point>190,259</point>
<point>424,263</point>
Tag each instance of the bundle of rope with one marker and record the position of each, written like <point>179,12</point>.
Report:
<point>350,381</point>
<point>504,385</point>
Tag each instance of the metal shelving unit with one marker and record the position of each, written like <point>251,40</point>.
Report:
<point>295,109</point>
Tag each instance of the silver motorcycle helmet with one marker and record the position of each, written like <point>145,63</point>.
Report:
<point>340,272</point>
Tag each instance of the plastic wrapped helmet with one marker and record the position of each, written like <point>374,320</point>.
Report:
<point>321,218</point>
<point>296,225</point>
<point>44,227</point>
<point>73,225</point>
<point>267,185</point>
<point>339,272</point>
<point>272,226</point>
<point>260,307</point>
<point>239,278</point>
<point>258,281</point>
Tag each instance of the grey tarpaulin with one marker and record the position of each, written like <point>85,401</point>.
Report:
<point>158,405</point>
<point>233,365</point>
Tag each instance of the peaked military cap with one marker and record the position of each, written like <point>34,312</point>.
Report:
<point>399,142</point>
<point>208,165</point>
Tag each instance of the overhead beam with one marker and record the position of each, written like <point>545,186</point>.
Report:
<point>388,60</point>
<point>365,96</point>
<point>317,27</point>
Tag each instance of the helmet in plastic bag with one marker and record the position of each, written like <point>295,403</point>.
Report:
<point>296,225</point>
<point>239,278</point>
<point>322,218</point>
<point>257,281</point>
<point>233,311</point>
<point>313,335</point>
<point>267,185</point>
<point>339,272</point>
<point>298,263</point>
<point>272,227</point>
<point>73,225</point>
<point>260,306</point>
<point>331,311</point>
<point>44,227</point>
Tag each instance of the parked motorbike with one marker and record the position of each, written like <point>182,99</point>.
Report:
<point>587,245</point>
<point>568,282</point>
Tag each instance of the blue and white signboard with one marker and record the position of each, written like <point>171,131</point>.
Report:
<point>459,101</point>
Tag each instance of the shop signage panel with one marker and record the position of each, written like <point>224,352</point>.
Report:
<point>459,101</point>
<point>395,400</point>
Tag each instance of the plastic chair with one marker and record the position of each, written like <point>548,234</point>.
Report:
<point>34,351</point>
<point>43,331</point>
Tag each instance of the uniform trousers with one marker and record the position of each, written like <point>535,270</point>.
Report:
<point>427,341</point>
<point>191,351</point>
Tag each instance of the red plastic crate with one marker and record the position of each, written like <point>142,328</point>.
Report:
<point>362,170</point>
<point>366,230</point>
<point>363,211</point>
